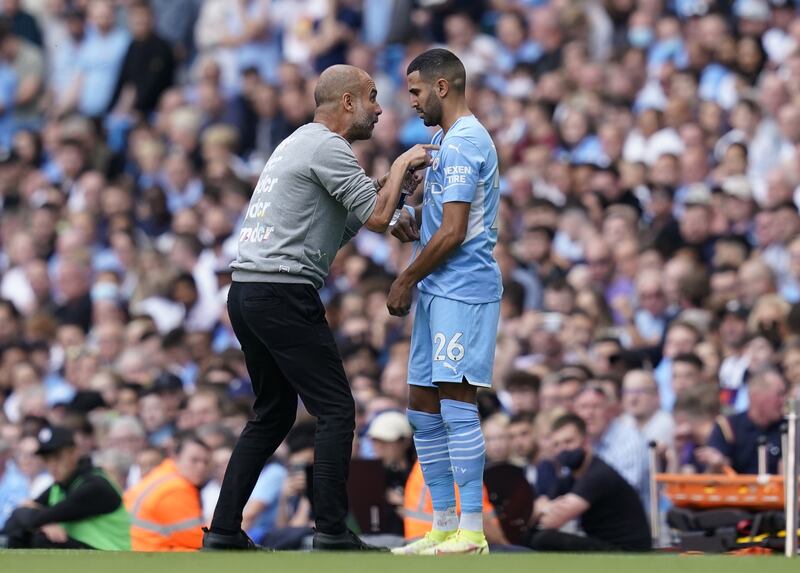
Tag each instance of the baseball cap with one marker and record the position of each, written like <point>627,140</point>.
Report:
<point>738,186</point>
<point>389,427</point>
<point>53,439</point>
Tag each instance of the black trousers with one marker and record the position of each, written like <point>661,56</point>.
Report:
<point>19,537</point>
<point>552,540</point>
<point>290,351</point>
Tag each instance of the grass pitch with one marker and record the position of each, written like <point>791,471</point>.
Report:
<point>21,561</point>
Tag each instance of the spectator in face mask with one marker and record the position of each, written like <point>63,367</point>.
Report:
<point>608,508</point>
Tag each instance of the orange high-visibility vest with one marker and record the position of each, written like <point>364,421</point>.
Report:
<point>165,510</point>
<point>418,507</point>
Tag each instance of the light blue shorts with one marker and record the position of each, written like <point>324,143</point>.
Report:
<point>452,341</point>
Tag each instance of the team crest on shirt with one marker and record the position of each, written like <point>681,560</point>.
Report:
<point>435,163</point>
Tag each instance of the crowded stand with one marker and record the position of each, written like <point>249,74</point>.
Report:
<point>649,245</point>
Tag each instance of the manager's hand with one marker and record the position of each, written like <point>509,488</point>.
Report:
<point>419,156</point>
<point>399,300</point>
<point>406,228</point>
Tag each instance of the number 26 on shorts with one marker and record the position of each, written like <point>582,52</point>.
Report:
<point>454,350</point>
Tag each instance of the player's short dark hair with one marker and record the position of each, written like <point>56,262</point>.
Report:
<point>569,420</point>
<point>440,63</point>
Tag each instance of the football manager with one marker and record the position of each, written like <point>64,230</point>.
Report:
<point>312,197</point>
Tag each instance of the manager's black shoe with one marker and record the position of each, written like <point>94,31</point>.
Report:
<point>220,541</point>
<point>346,541</point>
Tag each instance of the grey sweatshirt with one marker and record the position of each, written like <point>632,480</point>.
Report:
<point>298,215</point>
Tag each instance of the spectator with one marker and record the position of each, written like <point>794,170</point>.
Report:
<point>25,57</point>
<point>23,24</point>
<point>609,509</point>
<point>681,338</point>
<point>734,440</point>
<point>695,414</point>
<point>165,506</point>
<point>127,436</point>
<point>540,472</point>
<point>647,216</point>
<point>612,439</point>
<point>390,433</point>
<point>294,514</point>
<point>495,431</point>
<point>81,510</point>
<point>687,372</point>
<point>640,404</point>
<point>99,61</point>
<point>74,277</point>
<point>175,21</point>
<point>651,317</point>
<point>523,392</point>
<point>148,67</point>
<point>260,513</point>
<point>13,484</point>
<point>204,408</point>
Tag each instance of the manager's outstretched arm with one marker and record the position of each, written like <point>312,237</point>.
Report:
<point>415,158</point>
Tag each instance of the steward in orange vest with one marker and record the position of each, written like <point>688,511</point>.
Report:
<point>165,509</point>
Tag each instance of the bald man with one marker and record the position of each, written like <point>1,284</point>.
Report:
<point>310,199</point>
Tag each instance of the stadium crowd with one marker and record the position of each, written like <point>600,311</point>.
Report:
<point>649,235</point>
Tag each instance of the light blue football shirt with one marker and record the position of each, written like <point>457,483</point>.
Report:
<point>464,169</point>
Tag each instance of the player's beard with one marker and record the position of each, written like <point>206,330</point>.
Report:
<point>432,110</point>
<point>363,124</point>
